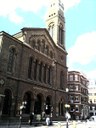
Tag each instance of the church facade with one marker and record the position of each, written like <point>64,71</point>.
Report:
<point>33,68</point>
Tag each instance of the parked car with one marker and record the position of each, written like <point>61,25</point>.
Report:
<point>92,118</point>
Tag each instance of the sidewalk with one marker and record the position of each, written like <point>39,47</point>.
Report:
<point>56,124</point>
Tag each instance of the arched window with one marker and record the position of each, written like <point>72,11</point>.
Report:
<point>61,79</point>
<point>7,102</point>
<point>51,29</point>
<point>61,34</point>
<point>46,50</point>
<point>30,67</point>
<point>40,71</point>
<point>35,69</point>
<point>49,75</point>
<point>27,99</point>
<point>38,45</point>
<point>11,60</point>
<point>43,46</point>
<point>44,75</point>
<point>38,104</point>
<point>61,108</point>
<point>48,105</point>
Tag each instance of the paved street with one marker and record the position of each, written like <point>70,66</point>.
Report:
<point>58,125</point>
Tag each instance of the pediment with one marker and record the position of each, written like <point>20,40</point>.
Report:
<point>39,39</point>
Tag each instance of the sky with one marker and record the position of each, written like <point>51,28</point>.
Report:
<point>80,23</point>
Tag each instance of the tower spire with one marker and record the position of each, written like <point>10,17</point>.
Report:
<point>55,22</point>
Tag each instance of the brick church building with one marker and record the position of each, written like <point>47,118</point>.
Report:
<point>33,68</point>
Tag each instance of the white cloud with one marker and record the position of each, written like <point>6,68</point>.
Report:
<point>70,3</point>
<point>15,18</point>
<point>9,6</point>
<point>92,74</point>
<point>84,50</point>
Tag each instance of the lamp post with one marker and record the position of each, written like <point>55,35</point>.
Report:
<point>23,106</point>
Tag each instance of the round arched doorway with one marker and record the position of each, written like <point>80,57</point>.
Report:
<point>38,104</point>
<point>48,105</point>
<point>27,99</point>
<point>7,102</point>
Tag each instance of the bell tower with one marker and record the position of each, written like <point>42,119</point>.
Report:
<point>55,22</point>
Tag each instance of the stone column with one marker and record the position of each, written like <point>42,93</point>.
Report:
<point>19,103</point>
<point>1,103</point>
<point>43,73</point>
<point>12,110</point>
<point>32,104</point>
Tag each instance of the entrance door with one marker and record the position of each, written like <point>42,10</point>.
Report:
<point>38,105</point>
<point>7,102</point>
<point>27,99</point>
<point>48,106</point>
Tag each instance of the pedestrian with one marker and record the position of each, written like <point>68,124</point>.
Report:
<point>31,118</point>
<point>48,121</point>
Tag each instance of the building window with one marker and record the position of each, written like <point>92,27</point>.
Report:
<point>90,107</point>
<point>93,107</point>
<point>71,87</point>
<point>51,29</point>
<point>90,101</point>
<point>71,99</point>
<point>46,50</point>
<point>76,87</point>
<point>61,34</point>
<point>77,108</point>
<point>38,45</point>
<point>61,80</point>
<point>70,77</point>
<point>76,78</point>
<point>30,67</point>
<point>35,69</point>
<point>49,75</point>
<point>61,108</point>
<point>40,71</point>
<point>44,74</point>
<point>11,60</point>
<point>76,98</point>
<point>72,108</point>
<point>43,46</point>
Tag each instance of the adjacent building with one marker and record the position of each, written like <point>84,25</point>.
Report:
<point>33,68</point>
<point>92,101</point>
<point>78,95</point>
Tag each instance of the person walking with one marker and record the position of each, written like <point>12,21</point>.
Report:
<point>48,121</point>
<point>31,118</point>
